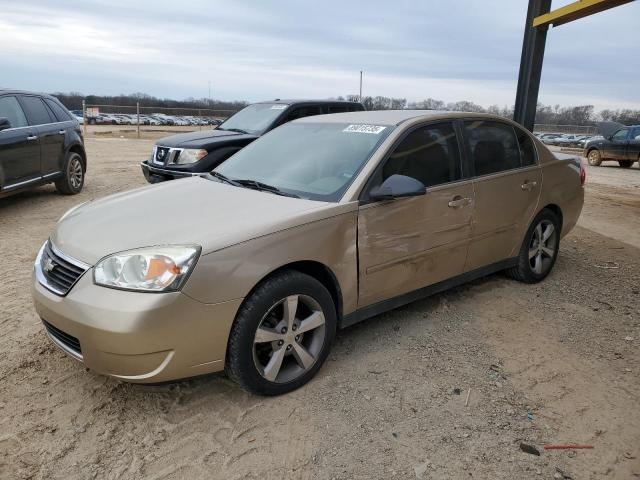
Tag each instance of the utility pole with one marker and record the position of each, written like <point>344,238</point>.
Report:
<point>360,85</point>
<point>209,92</point>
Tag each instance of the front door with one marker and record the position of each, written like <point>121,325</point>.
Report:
<point>616,148</point>
<point>507,185</point>
<point>406,244</point>
<point>19,147</point>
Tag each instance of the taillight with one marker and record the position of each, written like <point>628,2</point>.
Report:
<point>583,172</point>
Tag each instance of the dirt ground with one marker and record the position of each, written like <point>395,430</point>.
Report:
<point>557,362</point>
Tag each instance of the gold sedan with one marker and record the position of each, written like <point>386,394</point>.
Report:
<point>322,223</point>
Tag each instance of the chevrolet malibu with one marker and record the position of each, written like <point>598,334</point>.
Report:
<point>322,223</point>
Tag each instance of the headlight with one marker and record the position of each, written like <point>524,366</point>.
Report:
<point>150,269</point>
<point>190,155</point>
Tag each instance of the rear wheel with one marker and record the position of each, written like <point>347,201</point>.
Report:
<point>625,163</point>
<point>539,249</point>
<point>282,334</point>
<point>73,179</point>
<point>594,158</point>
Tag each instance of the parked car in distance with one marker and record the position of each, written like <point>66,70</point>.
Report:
<point>40,142</point>
<point>567,140</point>
<point>548,138</point>
<point>319,224</point>
<point>617,142</point>
<point>195,153</point>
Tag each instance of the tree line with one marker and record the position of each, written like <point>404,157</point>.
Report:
<point>546,114</point>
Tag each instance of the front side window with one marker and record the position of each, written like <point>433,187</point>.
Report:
<point>317,161</point>
<point>429,154</point>
<point>620,135</point>
<point>36,111</point>
<point>254,119</point>
<point>493,146</point>
<point>12,111</point>
<point>302,112</point>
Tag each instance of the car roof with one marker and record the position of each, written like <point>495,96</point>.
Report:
<point>393,117</point>
<point>4,91</point>
<point>299,101</point>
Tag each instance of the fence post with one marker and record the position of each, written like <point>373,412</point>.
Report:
<point>200,118</point>
<point>138,117</point>
<point>84,117</point>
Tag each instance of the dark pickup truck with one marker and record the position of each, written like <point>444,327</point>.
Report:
<point>199,152</point>
<point>616,142</point>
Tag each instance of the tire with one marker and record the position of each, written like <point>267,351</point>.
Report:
<point>594,158</point>
<point>73,180</point>
<point>264,354</point>
<point>625,163</point>
<point>536,261</point>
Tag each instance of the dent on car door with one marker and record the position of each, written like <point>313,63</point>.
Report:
<point>19,146</point>
<point>507,183</point>
<point>409,243</point>
<point>50,131</point>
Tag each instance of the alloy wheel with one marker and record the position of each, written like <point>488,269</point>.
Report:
<point>289,339</point>
<point>543,247</point>
<point>75,173</point>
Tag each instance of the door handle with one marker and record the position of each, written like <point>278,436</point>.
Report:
<point>459,201</point>
<point>32,137</point>
<point>529,185</point>
<point>61,132</point>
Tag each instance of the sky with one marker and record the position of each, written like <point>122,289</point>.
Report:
<point>257,50</point>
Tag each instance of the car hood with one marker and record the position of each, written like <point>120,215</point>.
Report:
<point>606,129</point>
<point>189,211</point>
<point>201,139</point>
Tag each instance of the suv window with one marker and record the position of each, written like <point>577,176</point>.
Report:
<point>620,134</point>
<point>527,149</point>
<point>429,154</point>
<point>300,112</point>
<point>36,111</point>
<point>493,146</point>
<point>11,109</point>
<point>337,109</point>
<point>58,111</point>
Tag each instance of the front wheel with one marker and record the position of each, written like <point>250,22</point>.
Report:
<point>282,334</point>
<point>625,163</point>
<point>594,158</point>
<point>539,249</point>
<point>73,180</point>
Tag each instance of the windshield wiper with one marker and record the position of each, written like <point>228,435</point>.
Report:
<point>265,187</point>
<point>224,179</point>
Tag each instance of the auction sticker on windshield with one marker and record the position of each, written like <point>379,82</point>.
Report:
<point>362,128</point>
<point>278,107</point>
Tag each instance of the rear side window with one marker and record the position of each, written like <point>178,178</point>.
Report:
<point>60,113</point>
<point>493,146</point>
<point>301,112</point>
<point>429,154</point>
<point>12,111</point>
<point>527,149</point>
<point>36,111</point>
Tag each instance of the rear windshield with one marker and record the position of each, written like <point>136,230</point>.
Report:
<point>317,161</point>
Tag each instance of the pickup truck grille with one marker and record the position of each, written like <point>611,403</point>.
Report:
<point>58,272</point>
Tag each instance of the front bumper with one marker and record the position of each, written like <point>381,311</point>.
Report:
<point>155,174</point>
<point>137,337</point>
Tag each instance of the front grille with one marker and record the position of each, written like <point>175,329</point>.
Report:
<point>59,273</point>
<point>68,341</point>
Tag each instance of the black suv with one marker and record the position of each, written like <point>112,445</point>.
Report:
<point>40,142</point>
<point>196,153</point>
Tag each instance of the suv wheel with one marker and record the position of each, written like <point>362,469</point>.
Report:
<point>73,179</point>
<point>594,158</point>
<point>282,334</point>
<point>539,249</point>
<point>625,163</point>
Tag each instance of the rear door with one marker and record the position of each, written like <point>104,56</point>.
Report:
<point>507,183</point>
<point>51,133</point>
<point>55,162</point>
<point>633,149</point>
<point>19,147</point>
<point>410,243</point>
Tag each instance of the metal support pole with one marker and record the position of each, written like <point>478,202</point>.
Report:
<point>531,65</point>
<point>360,85</point>
<point>84,118</point>
<point>138,117</point>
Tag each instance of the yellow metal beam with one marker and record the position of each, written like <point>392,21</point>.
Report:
<point>576,11</point>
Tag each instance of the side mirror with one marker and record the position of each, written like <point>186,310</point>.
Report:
<point>398,186</point>
<point>4,123</point>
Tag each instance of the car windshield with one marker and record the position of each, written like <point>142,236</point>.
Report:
<point>254,119</point>
<point>317,161</point>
